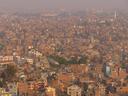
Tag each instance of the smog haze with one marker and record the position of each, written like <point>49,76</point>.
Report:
<point>39,5</point>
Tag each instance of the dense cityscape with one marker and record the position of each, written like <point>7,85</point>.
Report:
<point>61,53</point>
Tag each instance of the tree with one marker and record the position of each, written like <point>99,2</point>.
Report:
<point>83,60</point>
<point>123,66</point>
<point>1,84</point>
<point>126,78</point>
<point>59,59</point>
<point>1,46</point>
<point>85,87</point>
<point>9,73</point>
<point>73,60</point>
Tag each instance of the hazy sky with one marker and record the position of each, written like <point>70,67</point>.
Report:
<point>38,5</point>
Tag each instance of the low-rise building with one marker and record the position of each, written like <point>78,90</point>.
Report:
<point>74,90</point>
<point>50,91</point>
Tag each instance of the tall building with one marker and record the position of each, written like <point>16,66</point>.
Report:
<point>74,90</point>
<point>115,15</point>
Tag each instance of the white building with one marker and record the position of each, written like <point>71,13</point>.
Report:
<point>50,91</point>
<point>74,90</point>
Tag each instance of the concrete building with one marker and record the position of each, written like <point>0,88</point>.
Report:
<point>74,90</point>
<point>50,91</point>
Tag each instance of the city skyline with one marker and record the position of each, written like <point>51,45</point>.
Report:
<point>39,5</point>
